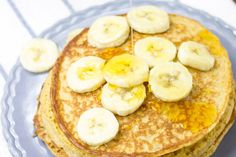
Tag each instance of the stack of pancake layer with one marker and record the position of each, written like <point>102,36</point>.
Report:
<point>192,127</point>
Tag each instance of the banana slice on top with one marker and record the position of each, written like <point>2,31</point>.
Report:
<point>170,81</point>
<point>85,74</point>
<point>108,31</point>
<point>195,55</point>
<point>73,34</point>
<point>39,55</point>
<point>97,126</point>
<point>155,50</point>
<point>122,101</point>
<point>148,19</point>
<point>125,71</point>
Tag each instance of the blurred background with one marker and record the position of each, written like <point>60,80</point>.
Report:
<point>23,19</point>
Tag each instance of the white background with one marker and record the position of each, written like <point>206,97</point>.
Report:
<point>40,14</point>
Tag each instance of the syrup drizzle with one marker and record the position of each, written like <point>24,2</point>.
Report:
<point>131,29</point>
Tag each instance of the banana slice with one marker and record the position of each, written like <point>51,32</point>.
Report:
<point>97,126</point>
<point>125,71</point>
<point>39,55</point>
<point>170,81</point>
<point>85,74</point>
<point>148,19</point>
<point>73,34</point>
<point>196,56</point>
<point>155,50</point>
<point>122,101</point>
<point>108,31</point>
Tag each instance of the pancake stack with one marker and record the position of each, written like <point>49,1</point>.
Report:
<point>190,127</point>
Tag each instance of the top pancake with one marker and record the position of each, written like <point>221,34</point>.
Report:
<point>157,127</point>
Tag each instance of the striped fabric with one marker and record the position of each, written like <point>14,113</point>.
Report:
<point>22,20</point>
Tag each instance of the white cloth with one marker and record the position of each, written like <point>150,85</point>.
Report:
<point>39,15</point>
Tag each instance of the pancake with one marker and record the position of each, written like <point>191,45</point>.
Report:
<point>213,148</point>
<point>156,128</point>
<point>49,131</point>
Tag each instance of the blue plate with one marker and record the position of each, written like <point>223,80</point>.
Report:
<point>22,87</point>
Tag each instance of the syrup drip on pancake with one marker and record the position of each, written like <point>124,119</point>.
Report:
<point>194,116</point>
<point>131,29</point>
<point>210,40</point>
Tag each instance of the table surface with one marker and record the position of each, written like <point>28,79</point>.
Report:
<point>25,19</point>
